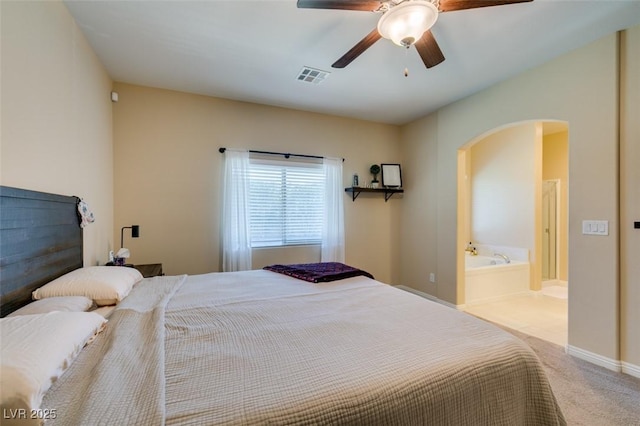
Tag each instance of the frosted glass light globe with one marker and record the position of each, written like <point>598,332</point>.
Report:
<point>405,23</point>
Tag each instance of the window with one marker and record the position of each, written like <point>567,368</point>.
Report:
<point>286,200</point>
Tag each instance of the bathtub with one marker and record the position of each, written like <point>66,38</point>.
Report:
<point>490,278</point>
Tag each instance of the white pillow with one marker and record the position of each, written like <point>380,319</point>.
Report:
<point>52,304</point>
<point>36,350</point>
<point>106,285</point>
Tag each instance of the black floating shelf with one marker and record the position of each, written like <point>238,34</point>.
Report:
<point>388,192</point>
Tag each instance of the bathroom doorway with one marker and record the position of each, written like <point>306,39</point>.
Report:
<point>513,193</point>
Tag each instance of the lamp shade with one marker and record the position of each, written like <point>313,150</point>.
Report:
<point>405,23</point>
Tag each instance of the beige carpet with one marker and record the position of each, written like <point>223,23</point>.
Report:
<point>587,394</point>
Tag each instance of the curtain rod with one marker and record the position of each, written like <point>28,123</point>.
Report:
<point>285,154</point>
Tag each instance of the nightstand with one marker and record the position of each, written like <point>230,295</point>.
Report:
<point>150,270</point>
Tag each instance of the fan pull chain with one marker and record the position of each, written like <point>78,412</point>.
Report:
<point>406,69</point>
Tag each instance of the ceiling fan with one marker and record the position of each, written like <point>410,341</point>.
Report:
<point>405,22</point>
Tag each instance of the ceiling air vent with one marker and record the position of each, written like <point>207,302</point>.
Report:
<point>312,75</point>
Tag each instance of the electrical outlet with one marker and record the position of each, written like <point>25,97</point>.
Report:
<point>432,277</point>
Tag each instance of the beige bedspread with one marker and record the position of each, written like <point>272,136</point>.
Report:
<point>261,348</point>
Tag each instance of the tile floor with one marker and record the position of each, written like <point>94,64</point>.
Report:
<point>542,314</point>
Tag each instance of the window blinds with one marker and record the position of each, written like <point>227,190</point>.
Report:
<point>286,203</point>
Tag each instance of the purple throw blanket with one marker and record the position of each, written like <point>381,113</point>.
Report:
<point>318,272</point>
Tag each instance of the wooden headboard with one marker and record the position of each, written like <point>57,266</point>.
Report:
<point>40,240</point>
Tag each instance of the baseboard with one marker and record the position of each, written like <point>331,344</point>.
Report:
<point>557,282</point>
<point>602,361</point>
<point>430,297</point>
<point>631,369</point>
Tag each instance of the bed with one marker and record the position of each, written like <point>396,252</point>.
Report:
<point>260,347</point>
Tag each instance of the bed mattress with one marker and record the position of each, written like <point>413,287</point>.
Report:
<point>257,347</point>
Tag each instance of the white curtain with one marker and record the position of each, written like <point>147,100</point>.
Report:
<point>236,241</point>
<point>333,218</point>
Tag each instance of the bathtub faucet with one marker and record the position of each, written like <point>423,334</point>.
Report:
<point>504,256</point>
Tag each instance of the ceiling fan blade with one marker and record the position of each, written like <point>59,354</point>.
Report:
<point>452,5</point>
<point>357,50</point>
<point>363,5</point>
<point>429,51</point>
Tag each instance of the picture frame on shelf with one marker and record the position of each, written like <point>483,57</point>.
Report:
<point>391,175</point>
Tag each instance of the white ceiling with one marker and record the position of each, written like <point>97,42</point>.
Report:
<point>253,50</point>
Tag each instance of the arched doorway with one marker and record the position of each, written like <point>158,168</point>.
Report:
<point>504,212</point>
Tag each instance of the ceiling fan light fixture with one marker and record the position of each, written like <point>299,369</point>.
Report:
<point>405,23</point>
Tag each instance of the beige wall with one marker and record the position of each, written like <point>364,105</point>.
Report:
<point>581,89</point>
<point>419,251</point>
<point>630,199</point>
<point>168,172</point>
<point>503,188</point>
<point>555,165</point>
<point>56,114</point>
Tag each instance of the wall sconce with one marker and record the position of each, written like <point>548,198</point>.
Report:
<point>135,233</point>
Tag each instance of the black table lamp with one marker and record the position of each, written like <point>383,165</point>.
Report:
<point>135,233</point>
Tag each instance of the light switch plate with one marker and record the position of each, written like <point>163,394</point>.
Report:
<point>595,227</point>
